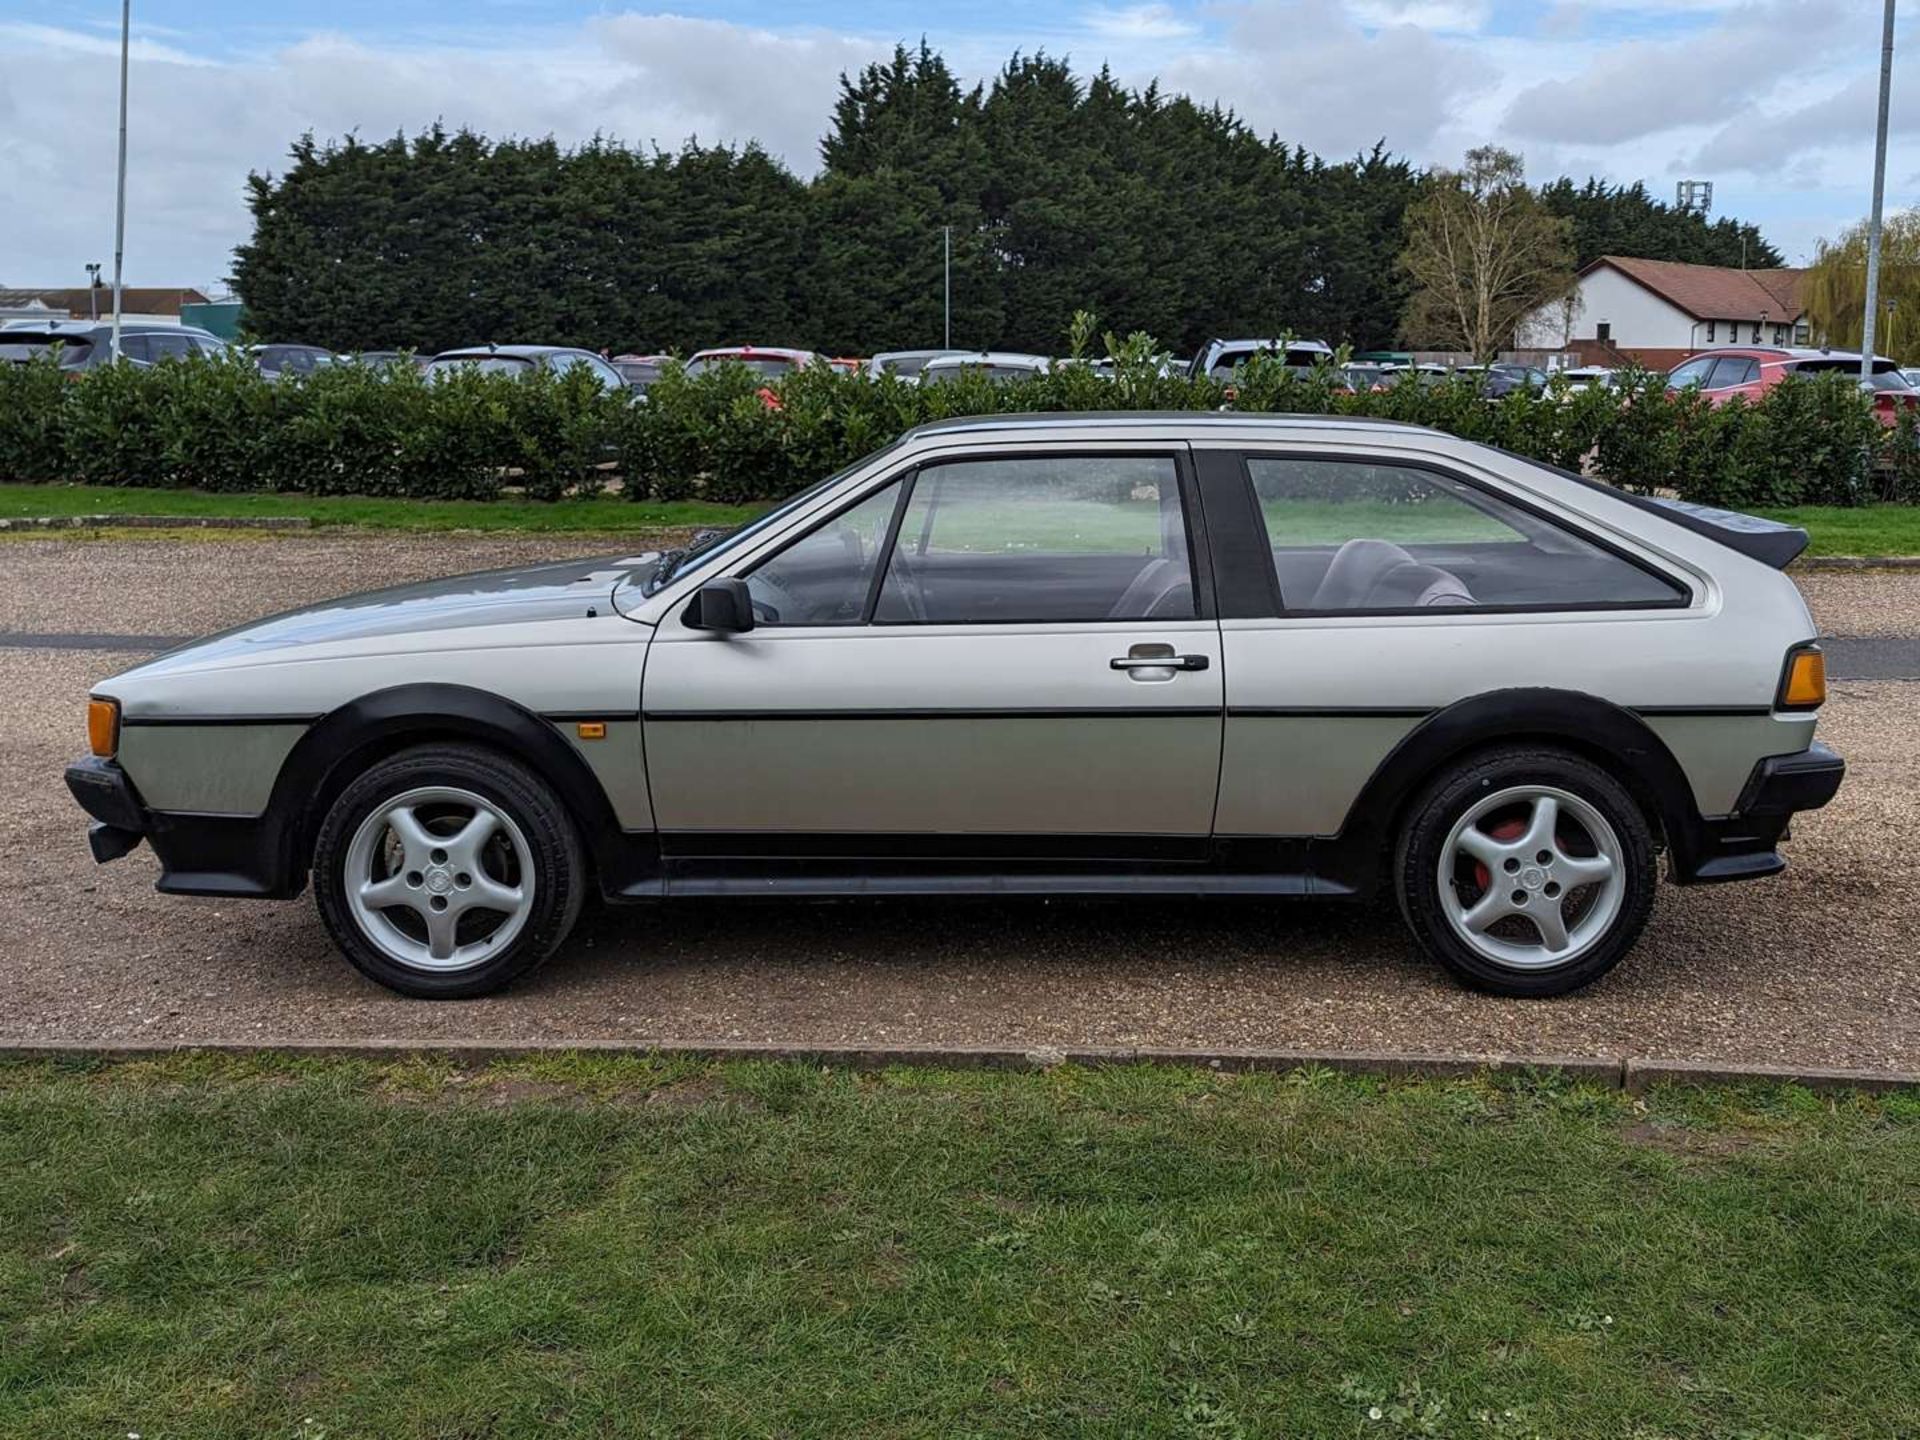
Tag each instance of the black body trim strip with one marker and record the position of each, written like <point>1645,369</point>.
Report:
<point>160,721</point>
<point>568,717</point>
<point>958,712</point>
<point>1708,711</point>
<point>1330,712</point>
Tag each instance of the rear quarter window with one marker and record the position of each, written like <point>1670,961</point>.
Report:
<point>1356,536</point>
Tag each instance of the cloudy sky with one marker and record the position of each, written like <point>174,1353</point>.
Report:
<point>1771,99</point>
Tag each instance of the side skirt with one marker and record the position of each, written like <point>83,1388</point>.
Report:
<point>843,866</point>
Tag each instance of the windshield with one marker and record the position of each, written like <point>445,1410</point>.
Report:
<point>19,347</point>
<point>1293,358</point>
<point>485,364</point>
<point>939,373</point>
<point>720,541</point>
<point>759,364</point>
<point>1885,375</point>
<point>905,366</point>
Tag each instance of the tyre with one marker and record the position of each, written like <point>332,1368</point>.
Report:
<point>447,871</point>
<point>1526,871</point>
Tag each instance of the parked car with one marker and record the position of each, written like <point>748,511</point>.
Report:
<point>906,364</point>
<point>848,364</point>
<point>1502,378</point>
<point>87,344</point>
<point>640,371</point>
<point>1000,366</point>
<point>524,359</point>
<point>1588,377</point>
<point>1752,371</point>
<point>1218,358</point>
<point>390,357</point>
<point>275,361</point>
<point>770,361</point>
<point>1111,655</point>
<point>1911,375</point>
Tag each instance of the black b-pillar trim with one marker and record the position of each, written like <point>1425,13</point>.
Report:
<point>1244,586</point>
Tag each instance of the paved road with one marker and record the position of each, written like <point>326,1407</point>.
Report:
<point>1817,967</point>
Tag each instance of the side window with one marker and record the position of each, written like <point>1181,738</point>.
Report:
<point>825,577</point>
<point>133,347</point>
<point>170,347</point>
<point>1733,370</point>
<point>1049,539</point>
<point>1351,536</point>
<point>1694,372</point>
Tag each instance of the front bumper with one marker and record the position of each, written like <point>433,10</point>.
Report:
<point>1741,846</point>
<point>105,793</point>
<point>240,855</point>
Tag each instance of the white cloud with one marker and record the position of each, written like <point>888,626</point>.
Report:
<point>1138,22</point>
<point>1312,73</point>
<point>1769,98</point>
<point>1458,16</point>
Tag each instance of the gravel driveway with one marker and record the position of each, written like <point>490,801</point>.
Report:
<point>1819,967</point>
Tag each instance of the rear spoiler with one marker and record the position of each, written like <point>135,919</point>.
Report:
<point>1767,541</point>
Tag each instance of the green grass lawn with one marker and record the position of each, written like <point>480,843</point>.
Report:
<point>603,515</point>
<point>1861,530</point>
<point>585,1246</point>
<point>1868,530</point>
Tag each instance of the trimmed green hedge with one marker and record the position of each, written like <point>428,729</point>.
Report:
<point>359,430</point>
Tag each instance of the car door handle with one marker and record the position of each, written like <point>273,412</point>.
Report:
<point>1158,662</point>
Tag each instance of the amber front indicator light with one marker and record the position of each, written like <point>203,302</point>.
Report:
<point>103,727</point>
<point>1804,687</point>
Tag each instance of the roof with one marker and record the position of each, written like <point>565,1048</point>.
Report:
<point>134,299</point>
<point>1714,292</point>
<point>961,359</point>
<point>523,352</point>
<point>129,325</point>
<point>1204,419</point>
<point>779,352</point>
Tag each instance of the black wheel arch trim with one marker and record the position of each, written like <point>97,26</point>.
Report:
<point>312,774</point>
<point>1639,758</point>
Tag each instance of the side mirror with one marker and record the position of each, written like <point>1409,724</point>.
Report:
<point>723,605</point>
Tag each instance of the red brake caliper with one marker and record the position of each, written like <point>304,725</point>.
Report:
<point>1505,830</point>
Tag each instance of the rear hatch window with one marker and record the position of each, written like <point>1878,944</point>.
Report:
<point>1886,375</point>
<point>486,364</point>
<point>19,346</point>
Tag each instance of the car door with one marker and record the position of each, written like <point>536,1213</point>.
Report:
<point>998,653</point>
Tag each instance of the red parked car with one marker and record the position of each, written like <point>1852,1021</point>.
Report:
<point>1751,371</point>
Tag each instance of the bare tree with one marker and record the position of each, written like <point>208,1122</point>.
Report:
<point>1483,253</point>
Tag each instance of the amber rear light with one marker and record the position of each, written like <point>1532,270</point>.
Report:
<point>103,727</point>
<point>1804,686</point>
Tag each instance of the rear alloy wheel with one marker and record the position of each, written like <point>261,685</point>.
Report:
<point>447,871</point>
<point>1526,871</point>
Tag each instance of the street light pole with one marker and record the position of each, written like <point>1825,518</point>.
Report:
<point>120,198</point>
<point>1879,198</point>
<point>948,230</point>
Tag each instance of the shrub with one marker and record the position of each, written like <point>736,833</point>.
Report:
<point>732,435</point>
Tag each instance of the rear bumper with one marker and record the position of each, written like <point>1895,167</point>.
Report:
<point>1741,846</point>
<point>198,854</point>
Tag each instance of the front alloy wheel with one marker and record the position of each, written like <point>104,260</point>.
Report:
<point>447,871</point>
<point>439,878</point>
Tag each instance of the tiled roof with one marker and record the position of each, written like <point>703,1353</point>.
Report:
<point>135,299</point>
<point>1715,292</point>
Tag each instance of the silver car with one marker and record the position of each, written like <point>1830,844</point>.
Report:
<point>1194,654</point>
